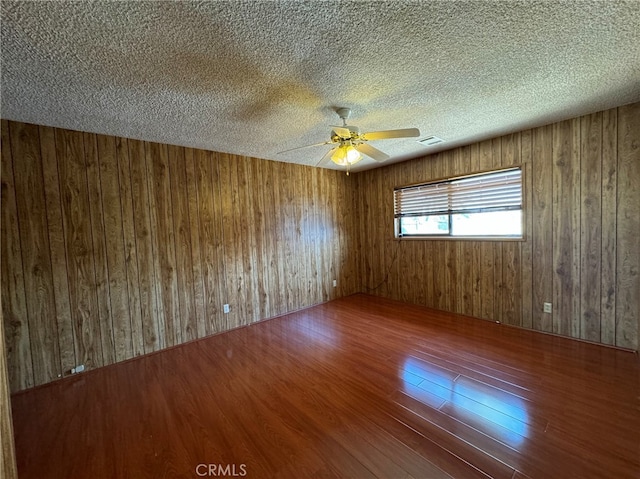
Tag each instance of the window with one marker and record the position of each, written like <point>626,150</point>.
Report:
<point>486,205</point>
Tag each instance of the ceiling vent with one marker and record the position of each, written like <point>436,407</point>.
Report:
<point>430,141</point>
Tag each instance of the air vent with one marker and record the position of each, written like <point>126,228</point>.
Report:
<point>430,141</point>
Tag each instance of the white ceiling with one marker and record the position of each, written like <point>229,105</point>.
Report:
<point>255,77</point>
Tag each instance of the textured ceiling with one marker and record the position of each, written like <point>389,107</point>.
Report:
<point>255,78</point>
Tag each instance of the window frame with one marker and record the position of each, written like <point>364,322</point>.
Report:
<point>448,236</point>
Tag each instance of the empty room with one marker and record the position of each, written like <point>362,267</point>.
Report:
<point>320,239</point>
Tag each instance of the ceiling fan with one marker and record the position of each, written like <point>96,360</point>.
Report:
<point>350,144</point>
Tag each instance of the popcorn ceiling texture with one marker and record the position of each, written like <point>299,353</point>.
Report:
<point>255,78</point>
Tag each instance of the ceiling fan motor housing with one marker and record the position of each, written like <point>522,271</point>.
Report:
<point>344,113</point>
<point>354,134</point>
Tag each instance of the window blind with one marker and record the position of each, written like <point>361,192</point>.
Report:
<point>495,191</point>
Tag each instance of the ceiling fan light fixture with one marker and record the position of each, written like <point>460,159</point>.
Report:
<point>350,146</point>
<point>346,155</point>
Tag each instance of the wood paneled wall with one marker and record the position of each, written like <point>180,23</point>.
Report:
<point>582,218</point>
<point>112,248</point>
<point>8,468</point>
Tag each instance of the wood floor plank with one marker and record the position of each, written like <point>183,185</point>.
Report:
<point>470,454</point>
<point>360,387</point>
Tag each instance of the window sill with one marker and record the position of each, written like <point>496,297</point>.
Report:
<point>520,239</point>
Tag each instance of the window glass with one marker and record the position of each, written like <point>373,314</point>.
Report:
<point>481,205</point>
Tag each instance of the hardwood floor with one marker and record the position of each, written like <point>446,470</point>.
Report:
<point>359,387</point>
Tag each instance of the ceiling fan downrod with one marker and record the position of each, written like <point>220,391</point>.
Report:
<point>344,114</point>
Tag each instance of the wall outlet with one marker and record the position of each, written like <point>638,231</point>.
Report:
<point>225,308</point>
<point>335,283</point>
<point>546,308</point>
<point>77,369</point>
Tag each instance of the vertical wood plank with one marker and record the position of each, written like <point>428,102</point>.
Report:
<point>321,280</point>
<point>274,262</point>
<point>365,232</point>
<point>144,245</point>
<point>465,272</point>
<point>300,192</point>
<point>232,241</point>
<point>590,225</point>
<point>335,184</point>
<point>566,228</point>
<point>451,279</point>
<point>14,306</point>
<point>163,244</point>
<point>365,215</point>
<point>334,247</point>
<point>211,238</point>
<point>249,218</point>
<point>628,223</point>
<point>302,230</point>
<point>541,228</point>
<point>130,249</point>
<point>485,155</point>
<point>66,339</point>
<point>509,150</point>
<point>8,468</point>
<point>526,247</point>
<point>261,272</point>
<point>489,281</point>
<point>352,212</point>
<point>219,252</point>
<point>79,246</point>
<point>115,247</point>
<point>511,271</point>
<point>383,254</point>
<point>192,182</point>
<point>390,249</point>
<point>186,323</point>
<point>609,226</point>
<point>100,240</point>
<point>291,221</point>
<point>36,258</point>
<point>245,214</point>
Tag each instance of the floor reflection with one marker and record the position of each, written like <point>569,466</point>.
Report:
<point>493,411</point>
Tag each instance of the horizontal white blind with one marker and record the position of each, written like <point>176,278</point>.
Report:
<point>495,191</point>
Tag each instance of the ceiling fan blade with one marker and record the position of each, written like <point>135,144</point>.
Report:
<point>341,131</point>
<point>372,152</point>
<point>307,146</point>
<point>385,134</point>
<point>326,157</point>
